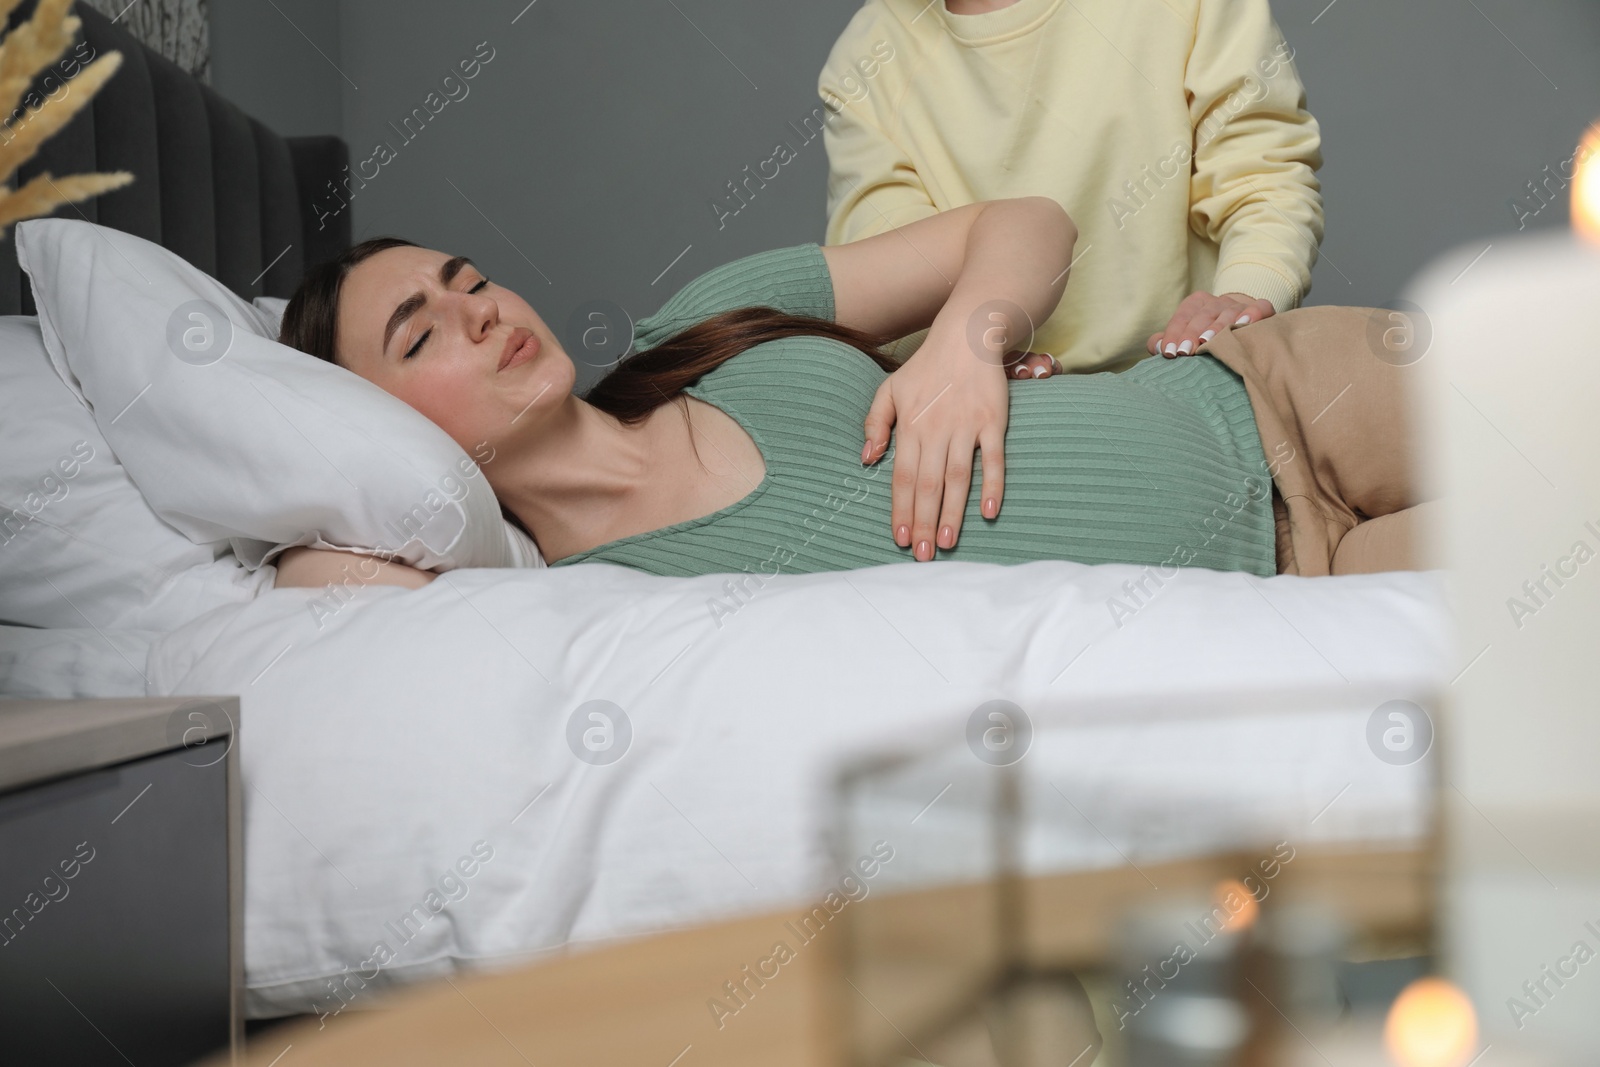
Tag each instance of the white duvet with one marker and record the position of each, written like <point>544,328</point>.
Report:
<point>415,801</point>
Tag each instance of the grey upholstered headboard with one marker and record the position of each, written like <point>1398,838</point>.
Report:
<point>211,183</point>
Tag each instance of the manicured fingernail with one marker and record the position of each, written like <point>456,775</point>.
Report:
<point>1241,320</point>
<point>989,508</point>
<point>1208,335</point>
<point>866,451</point>
<point>902,535</point>
<point>1186,347</point>
<point>1170,350</point>
<point>946,535</point>
<point>1038,372</point>
<point>922,549</point>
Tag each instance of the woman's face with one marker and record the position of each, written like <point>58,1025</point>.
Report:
<point>433,331</point>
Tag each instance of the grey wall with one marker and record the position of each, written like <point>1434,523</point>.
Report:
<point>278,62</point>
<point>583,158</point>
<point>1432,120</point>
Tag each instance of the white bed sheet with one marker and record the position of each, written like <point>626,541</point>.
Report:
<point>73,663</point>
<point>386,737</point>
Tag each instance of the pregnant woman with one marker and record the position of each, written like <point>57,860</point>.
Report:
<point>732,440</point>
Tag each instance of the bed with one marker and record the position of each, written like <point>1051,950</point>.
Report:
<point>517,760</point>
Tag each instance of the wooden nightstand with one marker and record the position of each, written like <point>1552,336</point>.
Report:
<point>121,936</point>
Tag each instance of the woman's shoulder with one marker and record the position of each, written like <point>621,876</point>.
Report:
<point>793,279</point>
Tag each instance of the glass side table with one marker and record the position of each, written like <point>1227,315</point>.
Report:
<point>1203,880</point>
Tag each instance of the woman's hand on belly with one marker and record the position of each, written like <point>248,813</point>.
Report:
<point>946,402</point>
<point>952,397</point>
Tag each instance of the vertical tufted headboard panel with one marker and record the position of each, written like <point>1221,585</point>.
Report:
<point>211,183</point>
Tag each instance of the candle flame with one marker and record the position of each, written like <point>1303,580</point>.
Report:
<point>1235,898</point>
<point>1586,187</point>
<point>1431,1024</point>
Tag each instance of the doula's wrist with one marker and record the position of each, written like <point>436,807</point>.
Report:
<point>1259,281</point>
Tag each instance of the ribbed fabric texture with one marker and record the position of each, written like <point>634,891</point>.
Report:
<point>1160,464</point>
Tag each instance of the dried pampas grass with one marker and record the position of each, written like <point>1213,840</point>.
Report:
<point>29,49</point>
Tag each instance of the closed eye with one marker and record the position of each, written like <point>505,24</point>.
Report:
<point>425,333</point>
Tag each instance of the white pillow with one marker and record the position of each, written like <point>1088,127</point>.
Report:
<point>272,307</point>
<point>79,547</point>
<point>231,435</point>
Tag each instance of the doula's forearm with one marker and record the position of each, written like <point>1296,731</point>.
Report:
<point>1017,251</point>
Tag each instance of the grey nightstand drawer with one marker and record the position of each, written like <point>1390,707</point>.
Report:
<point>117,941</point>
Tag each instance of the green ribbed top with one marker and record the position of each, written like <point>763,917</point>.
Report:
<point>1160,464</point>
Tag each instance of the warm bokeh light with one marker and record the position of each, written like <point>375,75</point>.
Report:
<point>1239,903</point>
<point>1586,188</point>
<point>1431,1024</point>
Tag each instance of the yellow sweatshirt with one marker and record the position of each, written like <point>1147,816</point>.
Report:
<point>1174,132</point>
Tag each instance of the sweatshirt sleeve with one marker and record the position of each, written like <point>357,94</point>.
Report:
<point>873,187</point>
<point>1254,189</point>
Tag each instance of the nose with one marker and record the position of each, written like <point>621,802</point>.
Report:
<point>482,315</point>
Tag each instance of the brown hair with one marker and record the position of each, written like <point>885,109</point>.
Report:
<point>634,388</point>
<point>310,321</point>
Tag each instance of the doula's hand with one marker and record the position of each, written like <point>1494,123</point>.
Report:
<point>1030,365</point>
<point>1201,317</point>
<point>943,403</point>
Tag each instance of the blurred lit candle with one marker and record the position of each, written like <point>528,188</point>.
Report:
<point>1431,1024</point>
<point>1503,393</point>
<point>1235,898</point>
<point>1510,444</point>
<point>1586,188</point>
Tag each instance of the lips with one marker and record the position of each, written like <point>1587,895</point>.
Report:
<point>521,346</point>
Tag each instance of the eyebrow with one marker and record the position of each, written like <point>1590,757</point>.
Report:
<point>414,303</point>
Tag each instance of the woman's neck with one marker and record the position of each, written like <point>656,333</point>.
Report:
<point>584,475</point>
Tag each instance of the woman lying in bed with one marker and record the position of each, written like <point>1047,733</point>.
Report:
<point>732,440</point>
